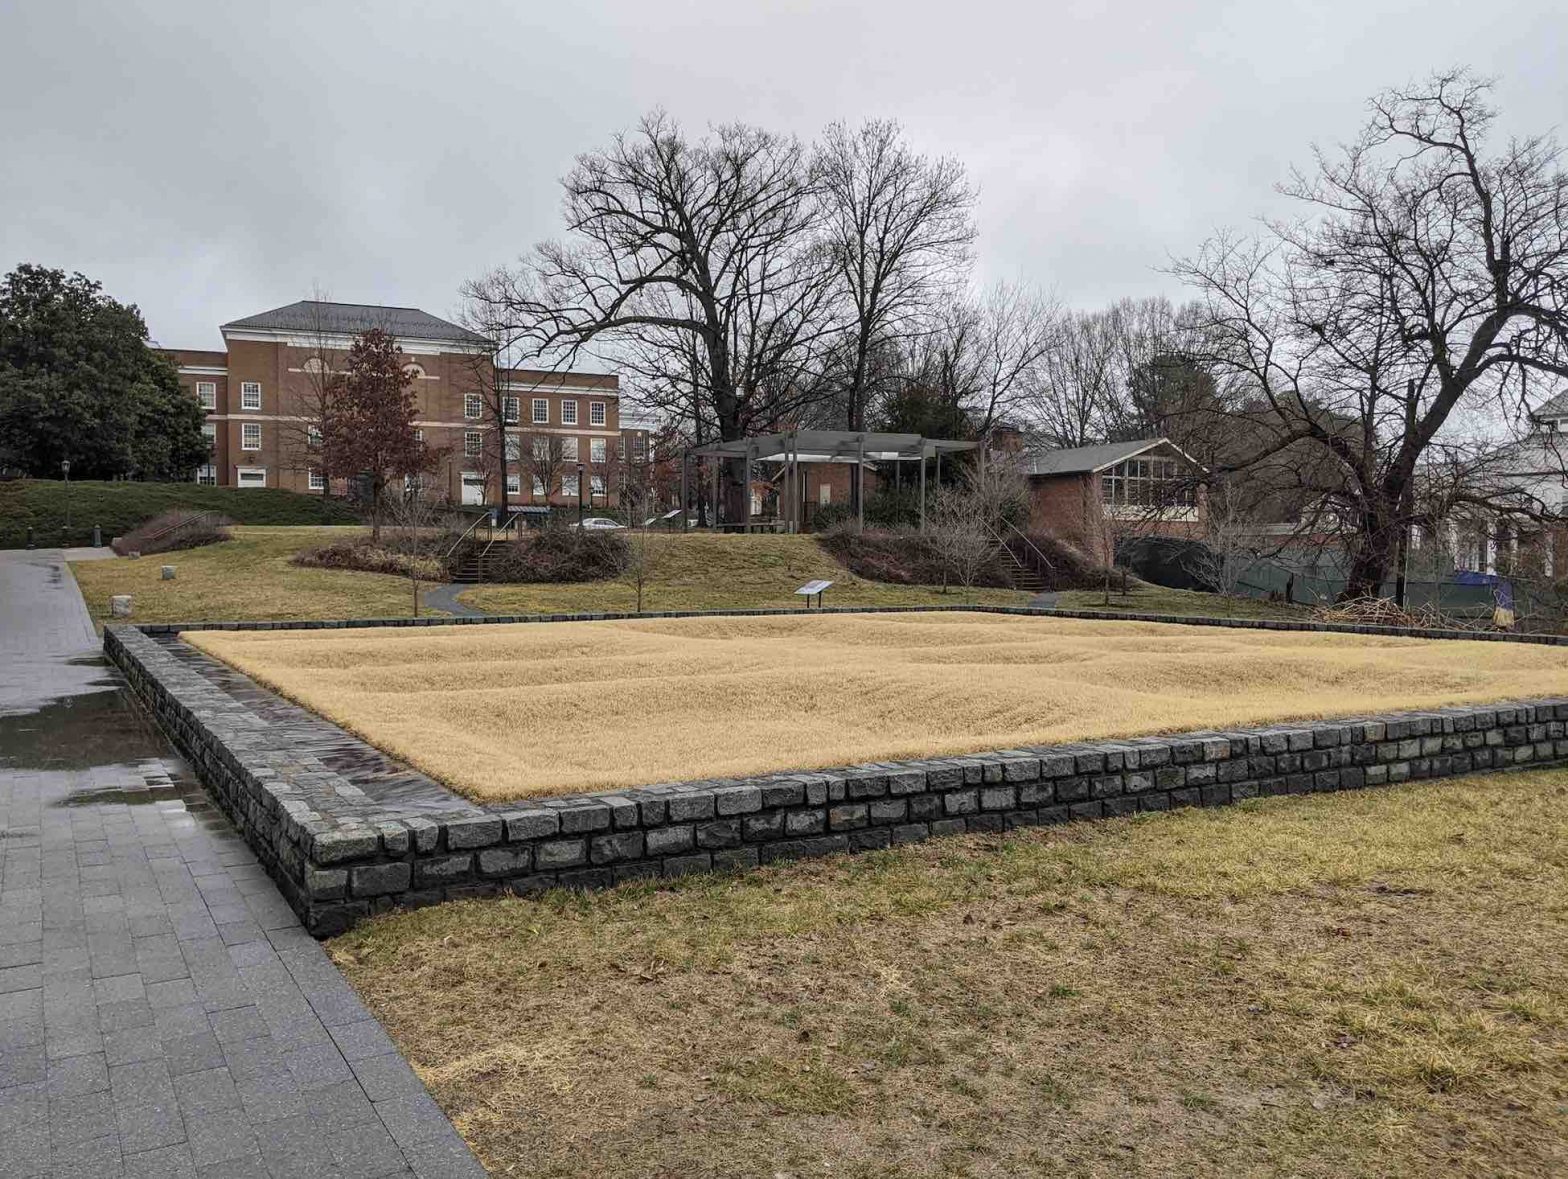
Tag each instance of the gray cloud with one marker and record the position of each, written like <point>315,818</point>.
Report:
<point>208,159</point>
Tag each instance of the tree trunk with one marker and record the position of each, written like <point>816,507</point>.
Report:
<point>375,512</point>
<point>1376,548</point>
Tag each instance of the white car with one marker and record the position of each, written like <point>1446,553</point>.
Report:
<point>600,523</point>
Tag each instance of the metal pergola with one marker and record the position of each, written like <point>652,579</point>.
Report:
<point>793,447</point>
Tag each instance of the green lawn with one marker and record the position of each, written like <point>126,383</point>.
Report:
<point>44,505</point>
<point>1157,599</point>
<point>710,572</point>
<point>248,577</point>
<point>1366,983</point>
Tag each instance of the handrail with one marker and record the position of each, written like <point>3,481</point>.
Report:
<point>1033,548</point>
<point>456,544</point>
<point>186,522</point>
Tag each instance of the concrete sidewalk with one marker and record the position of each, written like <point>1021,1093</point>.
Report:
<point>161,1011</point>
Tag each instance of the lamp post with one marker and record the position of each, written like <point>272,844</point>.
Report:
<point>65,470</point>
<point>579,496</point>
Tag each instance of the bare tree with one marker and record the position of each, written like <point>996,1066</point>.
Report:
<point>671,241</point>
<point>1427,275</point>
<point>418,525</point>
<point>898,232</point>
<point>960,534</point>
<point>646,549</point>
<point>543,462</point>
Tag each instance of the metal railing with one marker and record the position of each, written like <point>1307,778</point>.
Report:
<point>1033,559</point>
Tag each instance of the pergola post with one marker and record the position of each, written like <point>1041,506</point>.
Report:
<point>860,485</point>
<point>922,485</point>
<point>746,492</point>
<point>685,469</point>
<point>718,472</point>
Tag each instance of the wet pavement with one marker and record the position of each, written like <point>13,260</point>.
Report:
<point>162,1013</point>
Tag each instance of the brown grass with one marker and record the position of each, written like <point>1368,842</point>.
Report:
<point>1357,984</point>
<point>506,711</point>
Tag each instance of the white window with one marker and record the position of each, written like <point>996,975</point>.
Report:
<point>596,484</point>
<point>413,372</point>
<point>620,449</point>
<point>251,476</point>
<point>514,485</point>
<point>512,408</point>
<point>541,449</point>
<point>473,406</point>
<point>569,449</point>
<point>568,413</point>
<point>318,481</point>
<point>250,436</point>
<point>539,491</point>
<point>824,494</point>
<point>207,475</point>
<point>473,488</point>
<point>569,486</point>
<point>209,431</point>
<point>541,410</point>
<point>639,446</point>
<point>313,435</point>
<point>207,394</point>
<point>514,448</point>
<point>250,394</point>
<point>419,435</point>
<point>473,443</point>
<point>596,450</point>
<point>596,413</point>
<point>315,364</point>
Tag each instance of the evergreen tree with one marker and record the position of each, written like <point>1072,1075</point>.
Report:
<point>79,382</point>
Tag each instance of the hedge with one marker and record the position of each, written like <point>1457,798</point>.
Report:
<point>41,504</point>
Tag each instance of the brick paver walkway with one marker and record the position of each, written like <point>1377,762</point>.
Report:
<point>161,1011</point>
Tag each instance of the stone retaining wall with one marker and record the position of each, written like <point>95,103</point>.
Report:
<point>339,854</point>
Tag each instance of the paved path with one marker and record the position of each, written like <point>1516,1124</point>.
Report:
<point>161,1011</point>
<point>444,597</point>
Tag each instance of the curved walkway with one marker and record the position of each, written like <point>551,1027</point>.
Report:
<point>444,598</point>
<point>162,1013</point>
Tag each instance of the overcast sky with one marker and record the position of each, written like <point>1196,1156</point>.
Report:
<point>208,160</point>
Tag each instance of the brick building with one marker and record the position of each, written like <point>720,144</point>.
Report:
<point>263,393</point>
<point>1091,495</point>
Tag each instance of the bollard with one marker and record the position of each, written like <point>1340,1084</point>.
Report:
<point>120,606</point>
<point>97,536</point>
<point>166,572</point>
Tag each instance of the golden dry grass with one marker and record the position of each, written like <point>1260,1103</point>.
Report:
<point>529,709</point>
<point>1369,983</point>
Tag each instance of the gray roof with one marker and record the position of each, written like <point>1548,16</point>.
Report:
<point>1553,407</point>
<point>406,323</point>
<point>1082,460</point>
<point>833,446</point>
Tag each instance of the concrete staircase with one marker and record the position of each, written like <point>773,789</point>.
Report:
<point>1023,577</point>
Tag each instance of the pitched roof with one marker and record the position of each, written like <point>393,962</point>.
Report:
<point>1083,460</point>
<point>308,315</point>
<point>1552,407</point>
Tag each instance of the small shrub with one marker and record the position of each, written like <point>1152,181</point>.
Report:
<point>558,555</point>
<point>368,558</point>
<point>170,531</point>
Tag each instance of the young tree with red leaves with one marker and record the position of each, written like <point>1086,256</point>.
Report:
<point>369,432</point>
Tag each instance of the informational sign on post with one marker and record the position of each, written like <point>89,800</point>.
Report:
<point>813,589</point>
